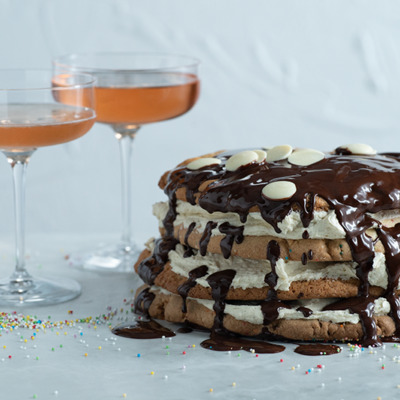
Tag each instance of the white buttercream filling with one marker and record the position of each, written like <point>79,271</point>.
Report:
<point>324,225</point>
<point>254,315</point>
<point>251,273</point>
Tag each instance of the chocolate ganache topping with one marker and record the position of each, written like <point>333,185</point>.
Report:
<point>354,186</point>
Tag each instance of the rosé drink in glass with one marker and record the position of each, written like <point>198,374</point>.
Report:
<point>132,89</point>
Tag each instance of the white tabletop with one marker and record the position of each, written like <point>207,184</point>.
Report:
<point>85,361</point>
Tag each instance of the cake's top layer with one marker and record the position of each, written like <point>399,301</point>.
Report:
<point>352,185</point>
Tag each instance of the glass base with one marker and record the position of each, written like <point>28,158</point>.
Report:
<point>106,258</point>
<point>37,291</point>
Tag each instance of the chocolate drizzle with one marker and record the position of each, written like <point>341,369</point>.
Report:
<point>183,289</point>
<point>364,307</point>
<point>205,238</point>
<point>220,282</point>
<point>143,302</point>
<point>233,234</point>
<point>353,186</point>
<point>189,251</point>
<point>270,310</point>
<point>271,306</point>
<point>273,254</point>
<point>152,266</point>
<point>170,217</point>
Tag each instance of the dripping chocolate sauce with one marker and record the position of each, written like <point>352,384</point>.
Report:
<point>184,289</point>
<point>189,251</point>
<point>143,328</point>
<point>273,254</point>
<point>152,266</point>
<point>220,282</point>
<point>232,234</point>
<point>205,238</point>
<point>271,306</point>
<point>143,302</point>
<point>364,307</point>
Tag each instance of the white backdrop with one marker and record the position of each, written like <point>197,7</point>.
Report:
<point>311,73</point>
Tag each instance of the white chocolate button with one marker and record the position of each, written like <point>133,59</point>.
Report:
<point>262,155</point>
<point>240,159</point>
<point>359,149</point>
<point>280,190</point>
<point>306,157</point>
<point>279,153</point>
<point>203,162</point>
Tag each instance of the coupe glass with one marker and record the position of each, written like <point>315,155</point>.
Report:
<point>31,116</point>
<point>132,89</point>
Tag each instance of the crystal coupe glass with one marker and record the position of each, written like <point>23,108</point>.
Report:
<point>132,89</point>
<point>31,116</point>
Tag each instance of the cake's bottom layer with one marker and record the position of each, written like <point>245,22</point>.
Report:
<point>291,324</point>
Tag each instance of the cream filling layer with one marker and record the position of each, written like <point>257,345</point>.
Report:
<point>324,225</point>
<point>251,273</point>
<point>254,315</point>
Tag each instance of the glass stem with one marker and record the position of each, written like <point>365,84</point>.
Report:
<point>125,135</point>
<point>19,162</point>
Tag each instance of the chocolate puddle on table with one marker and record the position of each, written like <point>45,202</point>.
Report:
<point>230,343</point>
<point>150,329</point>
<point>317,349</point>
<point>142,329</point>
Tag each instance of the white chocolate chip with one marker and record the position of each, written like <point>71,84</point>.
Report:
<point>280,190</point>
<point>262,155</point>
<point>306,157</point>
<point>240,159</point>
<point>359,149</point>
<point>203,162</point>
<point>279,153</point>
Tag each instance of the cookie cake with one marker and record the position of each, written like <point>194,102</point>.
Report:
<point>279,243</point>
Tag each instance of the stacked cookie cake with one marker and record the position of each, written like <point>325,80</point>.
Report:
<point>291,243</point>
